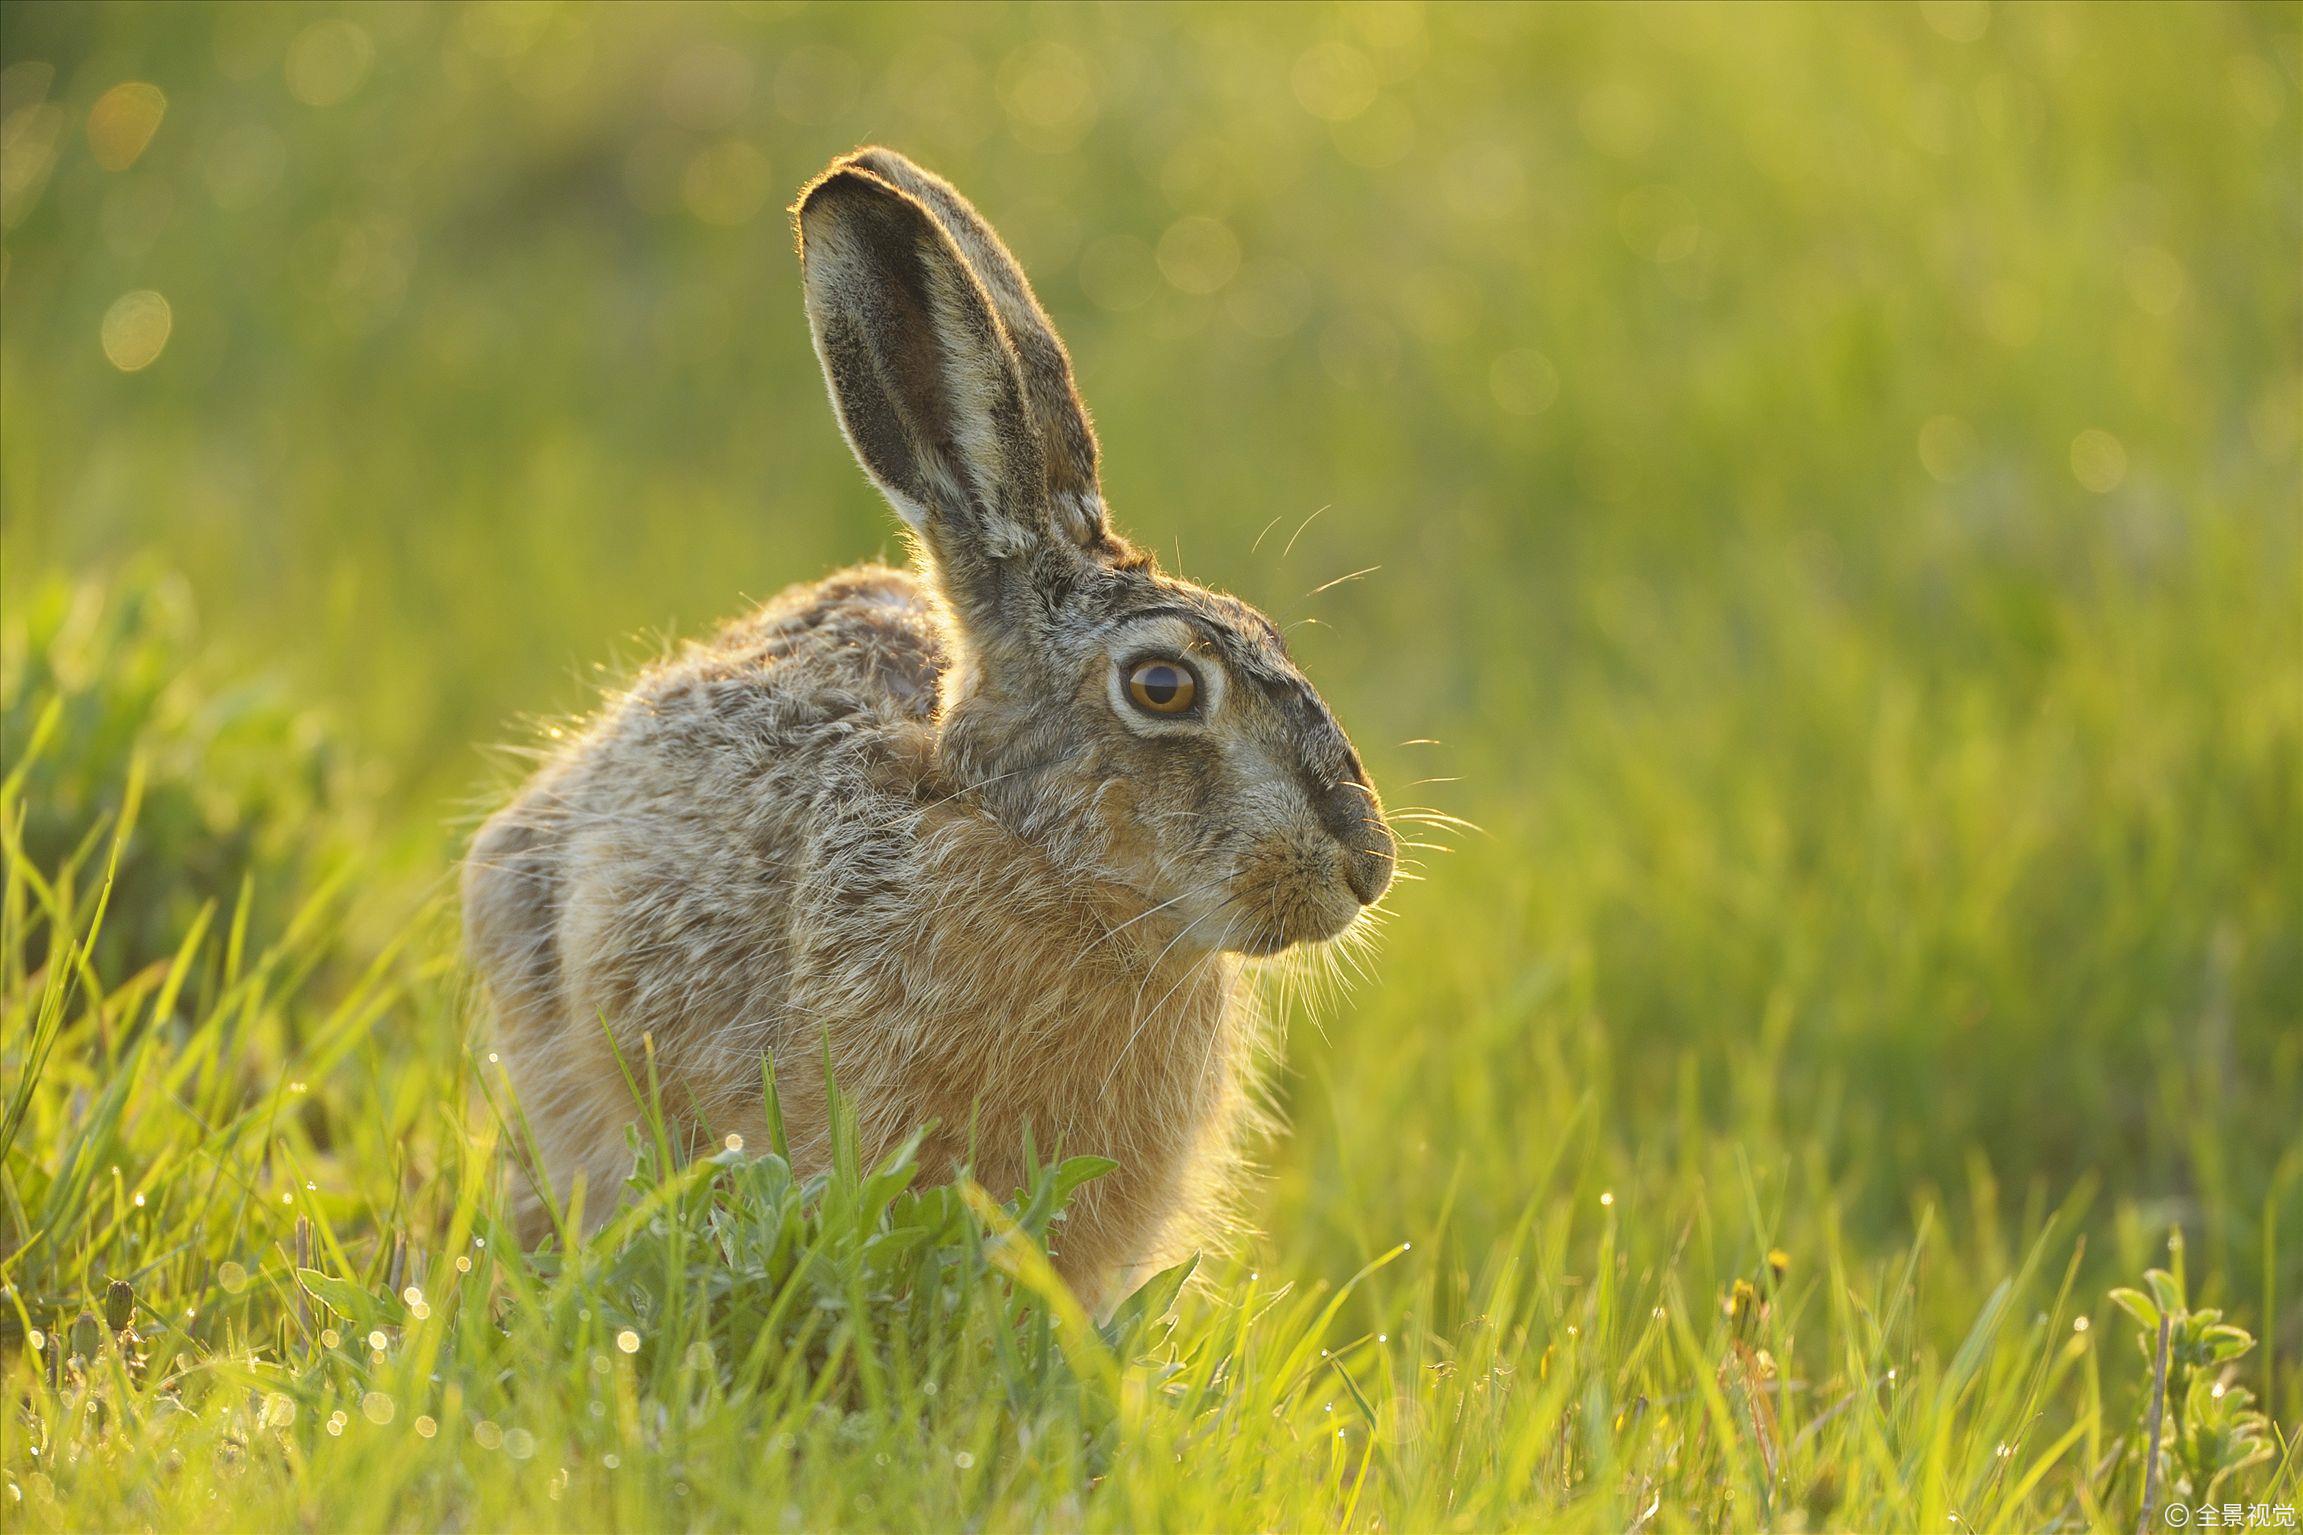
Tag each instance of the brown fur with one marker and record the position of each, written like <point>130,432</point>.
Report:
<point>910,818</point>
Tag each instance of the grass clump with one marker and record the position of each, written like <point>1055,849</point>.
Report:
<point>257,1274</point>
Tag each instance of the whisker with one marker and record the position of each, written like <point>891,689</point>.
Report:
<point>1307,522</point>
<point>1340,580</point>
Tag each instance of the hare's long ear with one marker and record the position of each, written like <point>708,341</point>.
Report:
<point>1067,440</point>
<point>928,389</point>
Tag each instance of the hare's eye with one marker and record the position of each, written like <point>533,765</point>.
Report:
<point>1162,687</point>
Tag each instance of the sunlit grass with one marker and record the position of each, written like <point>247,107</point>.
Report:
<point>1799,507</point>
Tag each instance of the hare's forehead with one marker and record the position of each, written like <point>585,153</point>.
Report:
<point>1193,620</point>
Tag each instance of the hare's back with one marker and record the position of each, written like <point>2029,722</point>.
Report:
<point>866,638</point>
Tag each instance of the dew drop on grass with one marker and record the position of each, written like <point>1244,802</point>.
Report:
<point>463,1264</point>
<point>138,1201</point>
<point>734,1142</point>
<point>377,1408</point>
<point>486,1435</point>
<point>628,1341</point>
<point>2079,1324</point>
<point>377,1340</point>
<point>1607,1197</point>
<point>426,1427</point>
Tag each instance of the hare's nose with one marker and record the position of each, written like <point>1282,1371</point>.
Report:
<point>1354,817</point>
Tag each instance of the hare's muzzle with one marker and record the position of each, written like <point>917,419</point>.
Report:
<point>1354,817</point>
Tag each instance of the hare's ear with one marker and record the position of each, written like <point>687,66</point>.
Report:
<point>1067,440</point>
<point>927,387</point>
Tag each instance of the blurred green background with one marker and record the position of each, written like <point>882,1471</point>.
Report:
<point>1832,473</point>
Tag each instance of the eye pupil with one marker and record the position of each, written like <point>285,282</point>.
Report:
<point>1161,687</point>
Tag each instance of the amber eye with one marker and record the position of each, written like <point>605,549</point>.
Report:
<point>1162,687</point>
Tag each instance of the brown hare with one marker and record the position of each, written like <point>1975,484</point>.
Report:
<point>993,832</point>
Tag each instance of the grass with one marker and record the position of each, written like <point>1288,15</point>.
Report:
<point>1835,481</point>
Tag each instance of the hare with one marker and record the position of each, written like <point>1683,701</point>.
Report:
<point>992,835</point>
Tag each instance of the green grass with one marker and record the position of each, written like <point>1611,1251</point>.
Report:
<point>1834,477</point>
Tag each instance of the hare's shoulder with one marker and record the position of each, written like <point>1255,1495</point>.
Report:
<point>866,639</point>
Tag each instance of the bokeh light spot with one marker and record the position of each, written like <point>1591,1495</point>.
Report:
<point>136,330</point>
<point>1959,21</point>
<point>1198,254</point>
<point>328,62</point>
<point>2010,313</point>
<point>1049,96</point>
<point>28,138</point>
<point>1659,223</point>
<point>2155,280</point>
<point>122,122</point>
<point>726,184</point>
<point>1334,80</point>
<point>1619,117</point>
<point>503,30</point>
<point>1524,382</point>
<point>2098,460</point>
<point>1269,299</point>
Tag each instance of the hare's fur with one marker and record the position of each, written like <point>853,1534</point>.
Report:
<point>906,823</point>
